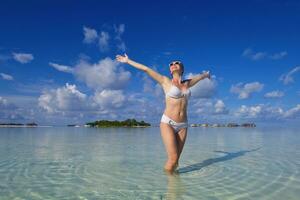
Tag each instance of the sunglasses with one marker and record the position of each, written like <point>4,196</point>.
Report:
<point>173,63</point>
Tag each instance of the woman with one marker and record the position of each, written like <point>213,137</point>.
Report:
<point>174,123</point>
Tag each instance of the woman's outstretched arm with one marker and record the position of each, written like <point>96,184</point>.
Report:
<point>198,78</point>
<point>153,74</point>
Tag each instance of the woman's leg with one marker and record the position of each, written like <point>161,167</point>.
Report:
<point>170,142</point>
<point>180,138</point>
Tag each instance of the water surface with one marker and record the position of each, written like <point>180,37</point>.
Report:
<point>127,163</point>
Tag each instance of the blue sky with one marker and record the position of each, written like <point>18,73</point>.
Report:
<point>57,59</point>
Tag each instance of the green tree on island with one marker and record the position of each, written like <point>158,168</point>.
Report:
<point>115,123</point>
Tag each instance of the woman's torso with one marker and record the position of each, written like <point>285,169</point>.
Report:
<point>176,101</point>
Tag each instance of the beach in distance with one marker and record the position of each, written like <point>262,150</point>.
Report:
<point>126,123</point>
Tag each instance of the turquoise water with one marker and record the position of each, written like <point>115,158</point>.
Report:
<point>127,163</point>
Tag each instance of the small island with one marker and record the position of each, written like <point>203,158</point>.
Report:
<point>115,123</point>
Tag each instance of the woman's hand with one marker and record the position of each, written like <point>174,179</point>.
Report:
<point>206,74</point>
<point>123,59</point>
<point>196,79</point>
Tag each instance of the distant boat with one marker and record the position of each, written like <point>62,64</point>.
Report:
<point>73,125</point>
<point>248,125</point>
<point>232,125</point>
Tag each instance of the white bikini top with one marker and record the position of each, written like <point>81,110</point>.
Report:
<point>176,93</point>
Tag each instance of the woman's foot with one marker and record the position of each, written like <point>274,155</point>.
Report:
<point>176,165</point>
<point>170,169</point>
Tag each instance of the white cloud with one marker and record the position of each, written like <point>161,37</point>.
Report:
<point>205,88</point>
<point>106,74</point>
<point>69,102</point>
<point>259,111</point>
<point>288,77</point>
<point>23,57</point>
<point>245,91</point>
<point>249,53</point>
<point>208,107</point>
<point>90,35</point>
<point>202,106</point>
<point>109,99</point>
<point>6,77</point>
<point>103,41</point>
<point>264,112</point>
<point>252,111</point>
<point>46,102</point>
<point>62,68</point>
<point>293,112</point>
<point>274,94</point>
<point>66,98</point>
<point>220,107</point>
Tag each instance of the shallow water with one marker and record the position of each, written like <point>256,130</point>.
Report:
<point>127,163</point>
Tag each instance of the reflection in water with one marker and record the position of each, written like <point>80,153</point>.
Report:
<point>228,156</point>
<point>175,188</point>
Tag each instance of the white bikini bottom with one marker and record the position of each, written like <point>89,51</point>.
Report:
<point>175,125</point>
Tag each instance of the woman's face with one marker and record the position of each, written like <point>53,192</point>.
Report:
<point>175,67</point>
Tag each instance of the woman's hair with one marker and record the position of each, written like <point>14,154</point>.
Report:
<point>182,67</point>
